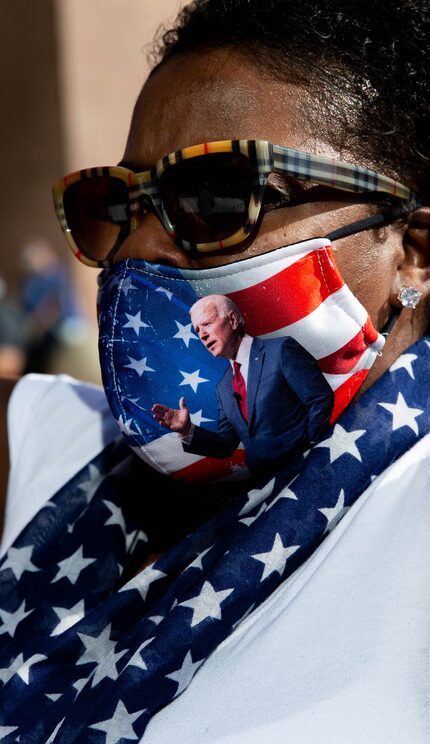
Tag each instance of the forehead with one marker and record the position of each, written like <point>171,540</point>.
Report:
<point>204,311</point>
<point>216,95</point>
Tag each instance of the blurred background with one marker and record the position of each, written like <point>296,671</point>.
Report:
<point>70,72</point>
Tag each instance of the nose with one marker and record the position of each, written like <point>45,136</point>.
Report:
<point>151,242</point>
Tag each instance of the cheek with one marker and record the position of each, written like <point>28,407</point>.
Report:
<point>367,263</point>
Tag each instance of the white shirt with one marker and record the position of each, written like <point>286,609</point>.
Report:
<point>338,654</point>
<point>242,356</point>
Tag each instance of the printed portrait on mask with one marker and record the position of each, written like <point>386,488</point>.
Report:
<point>304,344</point>
<point>272,399</point>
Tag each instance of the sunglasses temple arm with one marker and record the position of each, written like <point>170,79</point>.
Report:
<point>376,220</point>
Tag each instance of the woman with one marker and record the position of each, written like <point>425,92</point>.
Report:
<point>94,656</point>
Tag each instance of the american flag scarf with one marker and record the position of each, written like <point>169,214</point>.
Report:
<point>82,660</point>
<point>150,353</point>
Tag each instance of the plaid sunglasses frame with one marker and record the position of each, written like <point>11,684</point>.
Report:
<point>265,158</point>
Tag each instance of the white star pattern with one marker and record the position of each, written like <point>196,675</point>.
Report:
<point>20,667</point>
<point>90,486</point>
<point>18,560</point>
<point>55,731</point>
<point>80,684</point>
<point>165,291</point>
<point>342,442</point>
<point>207,603</point>
<point>405,361</point>
<point>250,520</point>
<point>113,281</point>
<point>6,673</point>
<point>6,730</point>
<point>116,517</point>
<point>126,426</point>
<point>185,333</point>
<point>286,493</point>
<point>68,617</point>
<point>100,650</point>
<point>136,660</point>
<point>135,322</point>
<point>256,496</point>
<point>192,379</point>
<point>139,365</point>
<point>119,726</point>
<point>143,580</point>
<point>184,675</point>
<point>156,619</point>
<point>198,419</point>
<point>133,537</point>
<point>197,562</point>
<point>24,670</point>
<point>276,558</point>
<point>335,513</point>
<point>402,414</point>
<point>127,285</point>
<point>71,567</point>
<point>11,620</point>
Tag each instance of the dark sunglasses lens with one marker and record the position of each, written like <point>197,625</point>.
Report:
<point>98,215</point>
<point>207,197</point>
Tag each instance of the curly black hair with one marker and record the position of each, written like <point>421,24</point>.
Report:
<point>366,62</point>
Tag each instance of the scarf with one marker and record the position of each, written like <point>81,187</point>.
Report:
<point>84,658</point>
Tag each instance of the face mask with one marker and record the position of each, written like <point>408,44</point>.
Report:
<point>308,347</point>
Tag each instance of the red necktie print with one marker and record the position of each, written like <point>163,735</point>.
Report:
<point>239,389</point>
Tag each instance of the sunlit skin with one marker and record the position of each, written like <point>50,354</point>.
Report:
<point>217,95</point>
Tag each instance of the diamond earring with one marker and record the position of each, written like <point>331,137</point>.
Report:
<point>409,297</point>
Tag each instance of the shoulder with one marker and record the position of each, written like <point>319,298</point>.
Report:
<point>277,345</point>
<point>40,398</point>
<point>292,350</point>
<point>55,425</point>
<point>48,409</point>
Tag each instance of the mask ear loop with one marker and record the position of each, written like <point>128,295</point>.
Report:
<point>376,220</point>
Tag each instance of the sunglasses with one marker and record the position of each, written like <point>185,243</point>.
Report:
<point>208,197</point>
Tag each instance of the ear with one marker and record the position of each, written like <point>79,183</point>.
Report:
<point>414,268</point>
<point>234,321</point>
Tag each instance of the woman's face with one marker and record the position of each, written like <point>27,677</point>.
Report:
<point>215,96</point>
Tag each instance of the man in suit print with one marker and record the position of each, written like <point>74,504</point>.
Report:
<point>273,398</point>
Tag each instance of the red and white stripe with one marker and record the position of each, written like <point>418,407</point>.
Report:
<point>295,291</point>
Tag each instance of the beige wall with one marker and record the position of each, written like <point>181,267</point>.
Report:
<point>102,66</point>
<point>102,62</point>
<point>70,72</point>
<point>30,137</point>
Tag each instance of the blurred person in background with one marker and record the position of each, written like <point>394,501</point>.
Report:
<point>13,334</point>
<point>50,305</point>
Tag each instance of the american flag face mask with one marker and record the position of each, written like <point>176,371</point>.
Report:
<point>307,329</point>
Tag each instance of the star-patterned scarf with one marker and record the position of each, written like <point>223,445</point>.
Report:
<point>84,658</point>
